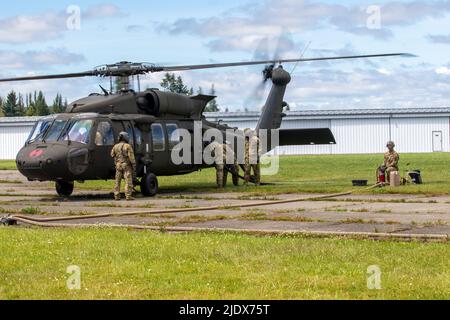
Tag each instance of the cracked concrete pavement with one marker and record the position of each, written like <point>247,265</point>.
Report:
<point>399,214</point>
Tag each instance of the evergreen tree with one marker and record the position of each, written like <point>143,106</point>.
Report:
<point>21,106</point>
<point>58,105</point>
<point>175,84</point>
<point>30,105</point>
<point>1,107</point>
<point>40,105</point>
<point>212,106</point>
<point>10,107</point>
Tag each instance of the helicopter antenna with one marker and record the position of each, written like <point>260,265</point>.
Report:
<point>302,55</point>
<point>104,90</point>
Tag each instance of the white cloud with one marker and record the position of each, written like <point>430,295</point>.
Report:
<point>47,26</point>
<point>32,60</point>
<point>102,11</point>
<point>443,70</point>
<point>238,30</point>
<point>384,71</point>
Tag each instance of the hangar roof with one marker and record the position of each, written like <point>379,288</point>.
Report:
<point>350,113</point>
<point>327,114</point>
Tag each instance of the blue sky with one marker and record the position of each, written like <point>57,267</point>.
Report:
<point>34,39</point>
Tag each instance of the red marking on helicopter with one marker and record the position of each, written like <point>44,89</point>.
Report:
<point>36,153</point>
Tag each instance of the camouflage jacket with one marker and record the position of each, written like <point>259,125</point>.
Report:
<point>391,159</point>
<point>216,151</point>
<point>123,154</point>
<point>252,150</point>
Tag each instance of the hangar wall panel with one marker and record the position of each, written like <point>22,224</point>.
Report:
<point>416,134</point>
<point>360,135</point>
<point>12,139</point>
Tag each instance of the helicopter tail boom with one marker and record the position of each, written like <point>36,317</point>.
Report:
<point>272,112</point>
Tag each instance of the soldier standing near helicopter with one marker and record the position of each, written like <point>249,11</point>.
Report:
<point>231,165</point>
<point>125,161</point>
<point>252,155</point>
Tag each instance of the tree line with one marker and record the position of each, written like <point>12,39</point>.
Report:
<point>31,104</point>
<point>175,84</point>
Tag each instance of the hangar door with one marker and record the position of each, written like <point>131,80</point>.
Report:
<point>437,141</point>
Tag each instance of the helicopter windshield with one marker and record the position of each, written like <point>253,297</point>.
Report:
<point>39,129</point>
<point>80,131</point>
<point>55,130</point>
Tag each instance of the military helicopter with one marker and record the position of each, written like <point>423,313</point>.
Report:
<point>76,145</point>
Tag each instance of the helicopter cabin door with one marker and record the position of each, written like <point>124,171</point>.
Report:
<point>103,143</point>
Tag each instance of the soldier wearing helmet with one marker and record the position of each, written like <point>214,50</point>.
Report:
<point>124,159</point>
<point>391,159</point>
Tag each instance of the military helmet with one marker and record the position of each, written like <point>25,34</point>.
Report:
<point>123,136</point>
<point>247,130</point>
<point>389,143</point>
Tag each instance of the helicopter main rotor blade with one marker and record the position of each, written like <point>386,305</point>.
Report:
<point>54,76</point>
<point>250,63</point>
<point>126,69</point>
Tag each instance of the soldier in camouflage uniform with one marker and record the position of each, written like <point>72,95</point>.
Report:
<point>391,159</point>
<point>216,150</point>
<point>124,159</point>
<point>252,157</point>
<point>231,164</point>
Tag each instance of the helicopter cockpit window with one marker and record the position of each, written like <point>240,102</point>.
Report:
<point>80,131</point>
<point>39,129</point>
<point>55,130</point>
<point>104,135</point>
<point>173,134</point>
<point>158,137</point>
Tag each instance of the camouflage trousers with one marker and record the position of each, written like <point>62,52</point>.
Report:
<point>222,174</point>
<point>388,173</point>
<point>124,172</point>
<point>256,173</point>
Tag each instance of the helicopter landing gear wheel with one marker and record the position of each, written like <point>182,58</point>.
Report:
<point>149,185</point>
<point>64,188</point>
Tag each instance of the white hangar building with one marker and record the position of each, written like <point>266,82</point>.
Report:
<point>355,131</point>
<point>362,131</point>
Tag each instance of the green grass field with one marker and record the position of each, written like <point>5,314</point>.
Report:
<point>151,265</point>
<point>123,264</point>
<point>317,174</point>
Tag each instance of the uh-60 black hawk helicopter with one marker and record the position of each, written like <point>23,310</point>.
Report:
<point>76,145</point>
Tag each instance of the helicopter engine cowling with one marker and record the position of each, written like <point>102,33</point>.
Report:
<point>158,103</point>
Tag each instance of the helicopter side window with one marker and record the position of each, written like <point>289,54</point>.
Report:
<point>104,135</point>
<point>55,130</point>
<point>80,131</point>
<point>173,134</point>
<point>159,140</point>
<point>138,138</point>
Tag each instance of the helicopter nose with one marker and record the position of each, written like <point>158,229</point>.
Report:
<point>42,162</point>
